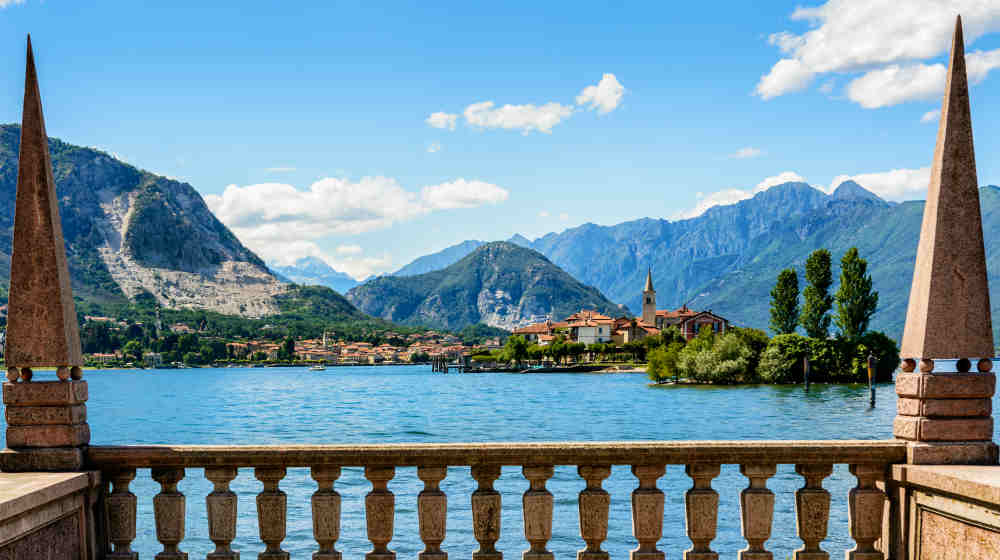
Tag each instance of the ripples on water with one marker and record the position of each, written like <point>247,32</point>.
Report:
<point>411,404</point>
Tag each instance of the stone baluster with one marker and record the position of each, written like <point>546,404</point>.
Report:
<point>594,505</point>
<point>168,508</point>
<point>121,504</point>
<point>865,508</point>
<point>647,512</point>
<point>701,512</point>
<point>812,511</point>
<point>432,507</point>
<point>271,512</point>
<point>380,512</point>
<point>537,511</point>
<point>756,511</point>
<point>221,508</point>
<point>486,509</point>
<point>326,513</point>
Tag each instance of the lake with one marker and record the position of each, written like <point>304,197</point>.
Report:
<point>412,404</point>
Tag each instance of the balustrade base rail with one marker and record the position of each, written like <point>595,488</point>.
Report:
<point>813,460</point>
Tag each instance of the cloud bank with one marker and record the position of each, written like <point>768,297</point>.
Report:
<point>282,223</point>
<point>604,97</point>
<point>883,40</point>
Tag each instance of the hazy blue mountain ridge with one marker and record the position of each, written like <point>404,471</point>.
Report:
<point>312,271</point>
<point>500,284</point>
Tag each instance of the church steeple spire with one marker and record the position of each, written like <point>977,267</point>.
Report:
<point>649,300</point>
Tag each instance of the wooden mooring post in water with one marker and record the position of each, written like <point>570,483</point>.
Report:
<point>872,363</point>
<point>805,371</point>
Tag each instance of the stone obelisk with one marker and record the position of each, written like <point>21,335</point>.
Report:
<point>945,412</point>
<point>47,428</point>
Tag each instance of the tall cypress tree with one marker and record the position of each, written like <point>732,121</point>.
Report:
<point>856,301</point>
<point>785,302</point>
<point>815,319</point>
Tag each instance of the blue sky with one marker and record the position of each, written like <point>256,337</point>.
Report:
<point>316,114</point>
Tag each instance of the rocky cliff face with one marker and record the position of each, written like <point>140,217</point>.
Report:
<point>129,231</point>
<point>499,284</point>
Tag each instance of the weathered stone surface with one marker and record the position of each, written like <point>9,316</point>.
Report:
<point>756,511</point>
<point>812,511</point>
<point>940,537</point>
<point>864,513</point>
<point>221,508</point>
<point>919,428</point>
<point>432,511</point>
<point>326,513</point>
<point>594,505</point>
<point>952,453</point>
<point>950,283</point>
<point>380,513</point>
<point>168,507</point>
<point>41,321</point>
<point>701,512</point>
<point>945,385</point>
<point>486,505</point>
<point>59,540</point>
<point>57,459</point>
<point>45,393</point>
<point>944,407</point>
<point>948,315</point>
<point>272,512</point>
<point>537,503</point>
<point>51,435</point>
<point>35,415</point>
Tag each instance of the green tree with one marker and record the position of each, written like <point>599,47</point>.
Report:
<point>856,301</point>
<point>715,359</point>
<point>133,351</point>
<point>817,301</point>
<point>785,302</point>
<point>286,352</point>
<point>516,350</point>
<point>663,362</point>
<point>756,340</point>
<point>781,361</point>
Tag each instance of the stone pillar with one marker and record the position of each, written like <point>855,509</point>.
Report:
<point>46,426</point>
<point>945,412</point>
<point>47,421</point>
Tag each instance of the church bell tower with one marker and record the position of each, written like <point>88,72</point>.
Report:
<point>649,300</point>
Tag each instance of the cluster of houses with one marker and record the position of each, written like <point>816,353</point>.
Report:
<point>591,327</point>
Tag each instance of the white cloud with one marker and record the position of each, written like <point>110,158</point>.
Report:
<point>282,223</point>
<point>604,97</point>
<point>732,196</point>
<point>564,216</point>
<point>543,213</point>
<point>779,179</point>
<point>434,147</point>
<point>442,120</point>
<point>885,39</point>
<point>745,153</point>
<point>787,76</point>
<point>897,184</point>
<point>525,118</point>
<point>896,84</point>
<point>462,194</point>
<point>931,116</point>
<point>5,3</point>
<point>348,250</point>
<point>280,169</point>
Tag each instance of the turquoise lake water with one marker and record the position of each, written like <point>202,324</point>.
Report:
<point>412,404</point>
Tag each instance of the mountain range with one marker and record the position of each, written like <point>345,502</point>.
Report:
<point>312,271</point>
<point>728,258</point>
<point>500,284</point>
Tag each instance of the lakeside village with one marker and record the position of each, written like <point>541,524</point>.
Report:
<point>671,346</point>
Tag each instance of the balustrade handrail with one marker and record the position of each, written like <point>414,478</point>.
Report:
<point>513,454</point>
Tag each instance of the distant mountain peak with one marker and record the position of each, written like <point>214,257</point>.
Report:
<point>518,239</point>
<point>500,284</point>
<point>314,271</point>
<point>850,190</point>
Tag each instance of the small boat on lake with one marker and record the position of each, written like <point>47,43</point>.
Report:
<point>318,367</point>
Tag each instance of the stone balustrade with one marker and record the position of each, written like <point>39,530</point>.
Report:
<point>868,460</point>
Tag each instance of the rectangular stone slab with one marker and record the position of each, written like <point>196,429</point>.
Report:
<point>37,415</point>
<point>45,393</point>
<point>918,428</point>
<point>56,435</point>
<point>945,385</point>
<point>944,407</point>
<point>58,459</point>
